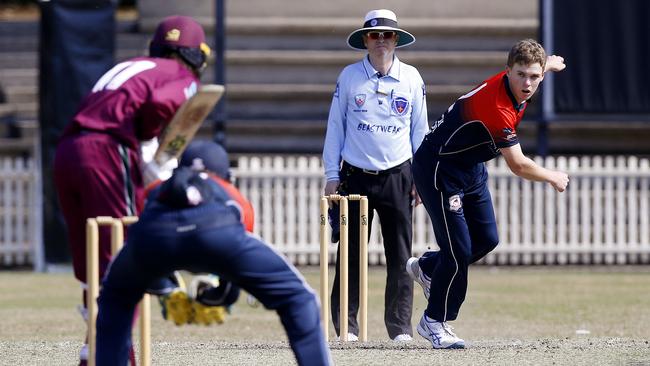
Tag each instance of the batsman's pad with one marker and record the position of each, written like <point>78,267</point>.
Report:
<point>187,120</point>
<point>211,291</point>
<point>252,301</point>
<point>200,283</point>
<point>167,284</point>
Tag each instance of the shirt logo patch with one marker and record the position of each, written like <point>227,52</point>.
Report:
<point>510,135</point>
<point>400,106</point>
<point>336,91</point>
<point>455,203</point>
<point>359,99</point>
<point>190,90</point>
<point>197,164</point>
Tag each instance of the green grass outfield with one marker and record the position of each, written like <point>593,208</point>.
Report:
<point>512,315</point>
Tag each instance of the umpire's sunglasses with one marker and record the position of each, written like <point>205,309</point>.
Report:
<point>384,35</point>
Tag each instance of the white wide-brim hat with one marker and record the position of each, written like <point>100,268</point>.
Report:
<point>379,20</point>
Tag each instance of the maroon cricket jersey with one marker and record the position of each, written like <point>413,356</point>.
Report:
<point>135,100</point>
<point>97,162</point>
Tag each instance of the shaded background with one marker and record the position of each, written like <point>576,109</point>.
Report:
<point>283,58</point>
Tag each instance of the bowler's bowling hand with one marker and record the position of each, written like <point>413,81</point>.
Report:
<point>554,63</point>
<point>559,181</point>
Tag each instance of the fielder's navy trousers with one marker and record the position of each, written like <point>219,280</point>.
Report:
<point>207,238</point>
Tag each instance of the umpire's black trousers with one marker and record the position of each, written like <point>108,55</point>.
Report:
<point>389,193</point>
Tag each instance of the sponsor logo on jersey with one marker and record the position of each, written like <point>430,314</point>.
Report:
<point>400,105</point>
<point>336,91</point>
<point>455,203</point>
<point>378,128</point>
<point>359,99</point>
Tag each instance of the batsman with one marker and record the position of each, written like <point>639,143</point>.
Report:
<point>98,167</point>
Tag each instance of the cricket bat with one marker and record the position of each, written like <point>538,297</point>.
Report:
<point>187,120</point>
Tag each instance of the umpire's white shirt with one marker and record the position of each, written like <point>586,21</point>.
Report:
<point>375,122</point>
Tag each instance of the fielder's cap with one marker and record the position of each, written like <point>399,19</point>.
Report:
<point>379,20</point>
<point>203,155</point>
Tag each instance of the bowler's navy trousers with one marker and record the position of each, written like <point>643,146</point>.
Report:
<point>458,202</point>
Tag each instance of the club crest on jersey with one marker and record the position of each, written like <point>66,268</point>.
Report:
<point>400,105</point>
<point>455,203</point>
<point>359,99</point>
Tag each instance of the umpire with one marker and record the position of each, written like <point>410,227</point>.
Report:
<point>377,120</point>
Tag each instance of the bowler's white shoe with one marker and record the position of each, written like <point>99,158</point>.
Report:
<point>416,273</point>
<point>439,334</point>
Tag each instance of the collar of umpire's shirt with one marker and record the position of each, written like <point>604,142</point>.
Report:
<point>371,72</point>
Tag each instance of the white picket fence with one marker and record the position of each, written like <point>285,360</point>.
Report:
<point>20,212</point>
<point>603,218</point>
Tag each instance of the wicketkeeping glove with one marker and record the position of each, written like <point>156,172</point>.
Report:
<point>207,315</point>
<point>177,307</point>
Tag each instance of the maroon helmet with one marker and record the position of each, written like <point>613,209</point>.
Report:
<point>183,35</point>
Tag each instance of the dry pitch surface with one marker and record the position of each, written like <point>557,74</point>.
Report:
<point>512,316</point>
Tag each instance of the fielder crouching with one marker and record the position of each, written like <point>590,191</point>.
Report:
<point>208,297</point>
<point>191,223</point>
